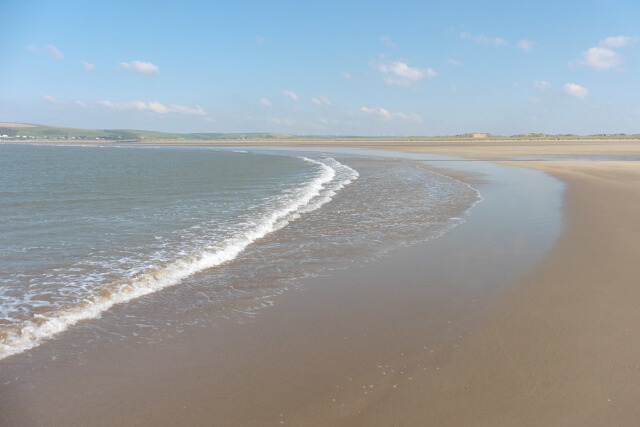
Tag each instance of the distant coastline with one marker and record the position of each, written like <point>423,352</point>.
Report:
<point>26,132</point>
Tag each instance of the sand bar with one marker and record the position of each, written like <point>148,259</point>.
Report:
<point>507,150</point>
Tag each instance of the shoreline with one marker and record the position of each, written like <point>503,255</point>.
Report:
<point>450,352</point>
<point>559,347</point>
<point>477,148</point>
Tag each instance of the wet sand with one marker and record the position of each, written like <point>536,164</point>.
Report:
<point>496,323</point>
<point>560,347</point>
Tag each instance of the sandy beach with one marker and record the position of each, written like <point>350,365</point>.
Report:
<point>559,347</point>
<point>502,321</point>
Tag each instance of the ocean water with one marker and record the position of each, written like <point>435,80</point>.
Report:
<point>138,243</point>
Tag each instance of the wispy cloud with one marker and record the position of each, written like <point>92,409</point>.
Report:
<point>141,67</point>
<point>452,61</point>
<point>32,48</point>
<point>618,41</point>
<point>496,41</point>
<point>386,40</point>
<point>265,102</point>
<point>54,52</point>
<point>261,40</point>
<point>88,66</point>
<point>401,74</point>
<point>51,100</point>
<point>388,115</point>
<point>321,100</point>
<point>541,84</point>
<point>285,121</point>
<point>526,45</point>
<point>346,76</point>
<point>290,94</point>
<point>153,106</point>
<point>576,90</point>
<point>181,109</point>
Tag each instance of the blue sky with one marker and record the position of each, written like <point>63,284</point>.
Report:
<point>328,68</point>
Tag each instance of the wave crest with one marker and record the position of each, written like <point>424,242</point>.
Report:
<point>332,177</point>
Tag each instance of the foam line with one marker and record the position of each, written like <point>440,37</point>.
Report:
<point>333,176</point>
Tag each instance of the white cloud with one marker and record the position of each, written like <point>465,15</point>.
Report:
<point>388,115</point>
<point>32,48</point>
<point>601,58</point>
<point>346,76</point>
<point>145,68</point>
<point>51,100</point>
<point>526,45</point>
<point>576,90</point>
<point>260,40</point>
<point>386,40</point>
<point>541,84</point>
<point>88,66</point>
<point>497,41</point>
<point>54,52</point>
<point>453,62</point>
<point>454,89</point>
<point>618,41</point>
<point>265,102</point>
<point>290,94</point>
<point>399,73</point>
<point>80,103</point>
<point>321,100</point>
<point>153,106</point>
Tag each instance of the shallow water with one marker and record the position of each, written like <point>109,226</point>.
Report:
<point>179,236</point>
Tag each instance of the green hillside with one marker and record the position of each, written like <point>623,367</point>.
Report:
<point>31,131</point>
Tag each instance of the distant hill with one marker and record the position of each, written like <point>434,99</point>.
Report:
<point>26,131</point>
<point>34,131</point>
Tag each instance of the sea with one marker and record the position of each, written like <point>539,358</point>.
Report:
<point>102,243</point>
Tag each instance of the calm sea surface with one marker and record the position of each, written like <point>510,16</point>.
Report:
<point>173,237</point>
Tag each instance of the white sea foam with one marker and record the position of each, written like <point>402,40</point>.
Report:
<point>333,176</point>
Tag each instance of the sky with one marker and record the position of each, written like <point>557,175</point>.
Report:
<point>371,68</point>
